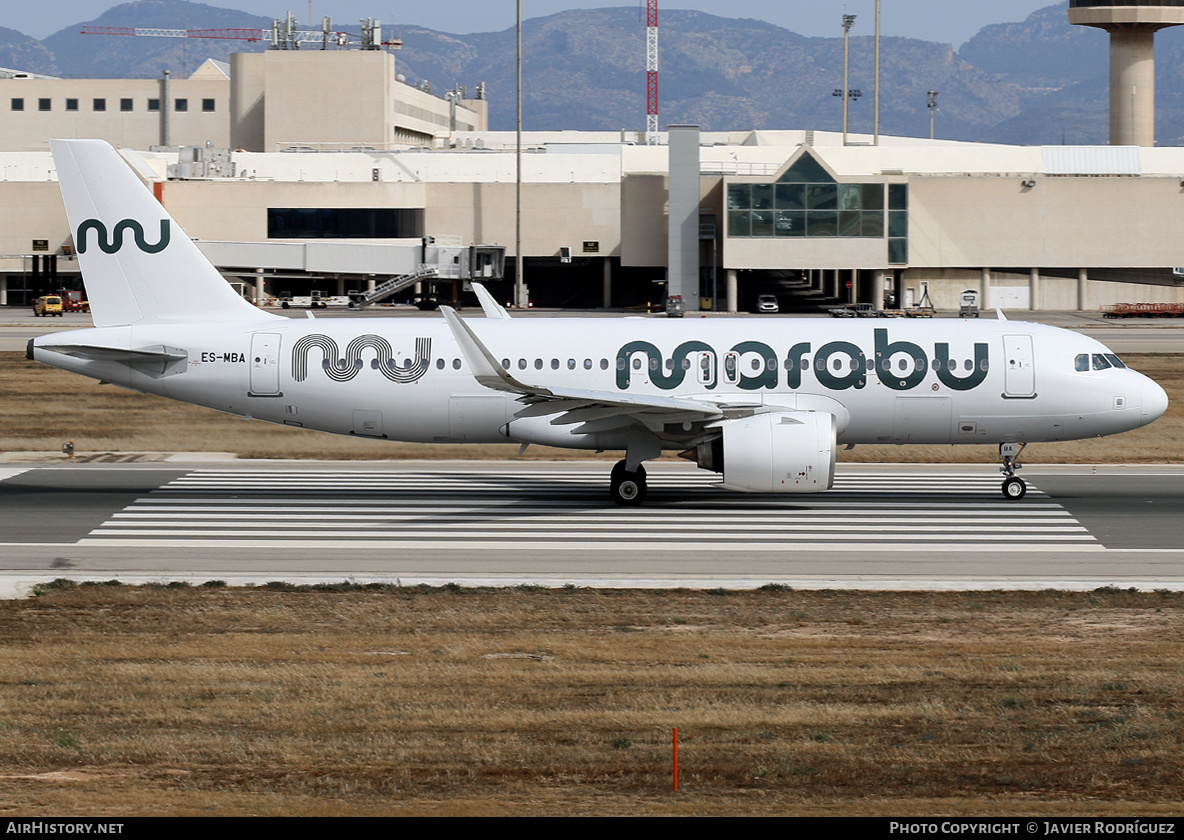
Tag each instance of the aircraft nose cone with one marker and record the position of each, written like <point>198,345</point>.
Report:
<point>1155,401</point>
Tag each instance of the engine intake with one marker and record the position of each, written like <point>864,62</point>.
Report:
<point>777,452</point>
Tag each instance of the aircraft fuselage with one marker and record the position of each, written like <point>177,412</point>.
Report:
<point>407,379</point>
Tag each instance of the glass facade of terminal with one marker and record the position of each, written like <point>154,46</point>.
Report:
<point>344,223</point>
<point>807,202</point>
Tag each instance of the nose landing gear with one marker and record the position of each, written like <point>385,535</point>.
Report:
<point>1013,486</point>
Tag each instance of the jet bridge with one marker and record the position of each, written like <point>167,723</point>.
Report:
<point>360,300</point>
<point>444,260</point>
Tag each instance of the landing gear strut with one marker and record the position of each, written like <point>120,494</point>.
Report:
<point>627,488</point>
<point>1013,486</point>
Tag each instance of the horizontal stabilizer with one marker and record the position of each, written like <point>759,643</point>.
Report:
<point>158,359</point>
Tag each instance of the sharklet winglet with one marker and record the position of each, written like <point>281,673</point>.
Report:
<point>489,306</point>
<point>486,369</point>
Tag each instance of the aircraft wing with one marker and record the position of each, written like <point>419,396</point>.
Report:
<point>596,410</point>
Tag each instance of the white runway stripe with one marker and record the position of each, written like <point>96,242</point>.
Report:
<point>10,472</point>
<point>570,511</point>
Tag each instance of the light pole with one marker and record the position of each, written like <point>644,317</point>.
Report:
<point>848,22</point>
<point>876,103</point>
<point>932,107</point>
<point>519,286</point>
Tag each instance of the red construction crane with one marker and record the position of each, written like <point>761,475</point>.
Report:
<point>651,71</point>
<point>283,34</point>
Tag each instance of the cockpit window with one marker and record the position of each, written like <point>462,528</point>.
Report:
<point>1081,363</point>
<point>1100,362</point>
<point>1114,360</point>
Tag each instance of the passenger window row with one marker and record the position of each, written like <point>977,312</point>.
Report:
<point>837,364</point>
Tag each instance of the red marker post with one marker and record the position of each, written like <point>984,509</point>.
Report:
<point>676,759</point>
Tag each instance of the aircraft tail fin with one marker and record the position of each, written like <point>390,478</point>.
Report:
<point>138,265</point>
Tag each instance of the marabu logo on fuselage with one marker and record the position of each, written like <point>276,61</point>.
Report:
<point>110,246</point>
<point>342,368</point>
<point>837,365</point>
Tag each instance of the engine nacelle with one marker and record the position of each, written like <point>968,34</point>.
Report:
<point>778,452</point>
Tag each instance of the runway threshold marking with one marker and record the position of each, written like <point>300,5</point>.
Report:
<point>566,510</point>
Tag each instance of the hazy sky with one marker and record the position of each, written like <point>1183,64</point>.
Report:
<point>933,20</point>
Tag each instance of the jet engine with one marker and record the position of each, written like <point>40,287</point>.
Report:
<point>776,452</point>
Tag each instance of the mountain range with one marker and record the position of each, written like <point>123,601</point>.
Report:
<point>1037,81</point>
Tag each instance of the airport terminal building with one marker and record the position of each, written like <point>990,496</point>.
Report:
<point>346,192</point>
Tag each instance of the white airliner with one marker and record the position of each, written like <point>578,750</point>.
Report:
<point>764,402</point>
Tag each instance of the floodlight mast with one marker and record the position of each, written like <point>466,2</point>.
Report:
<point>848,22</point>
<point>876,96</point>
<point>519,287</point>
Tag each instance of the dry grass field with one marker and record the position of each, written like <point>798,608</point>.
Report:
<point>42,407</point>
<point>123,701</point>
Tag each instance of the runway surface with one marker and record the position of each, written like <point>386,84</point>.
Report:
<point>899,526</point>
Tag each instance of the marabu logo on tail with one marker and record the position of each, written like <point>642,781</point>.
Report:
<point>116,241</point>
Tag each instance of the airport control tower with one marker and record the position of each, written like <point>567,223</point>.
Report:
<point>1132,26</point>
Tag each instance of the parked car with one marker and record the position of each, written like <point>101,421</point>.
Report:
<point>47,305</point>
<point>425,303</point>
<point>767,304</point>
<point>676,307</point>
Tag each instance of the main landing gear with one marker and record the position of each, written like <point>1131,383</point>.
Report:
<point>1013,485</point>
<point>625,487</point>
